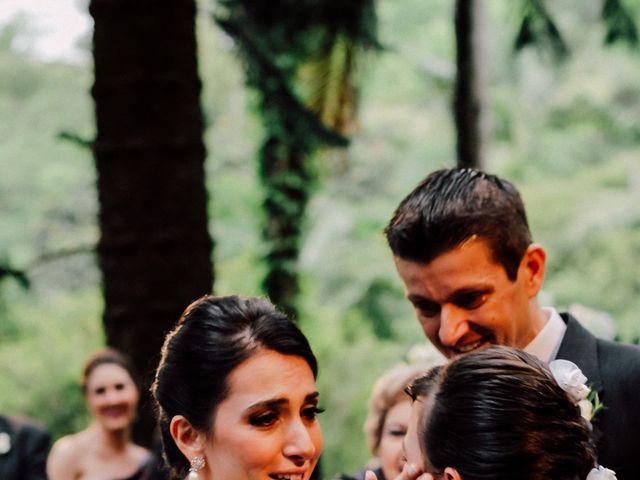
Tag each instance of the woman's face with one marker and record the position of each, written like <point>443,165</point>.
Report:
<point>111,396</point>
<point>267,427</point>
<point>393,431</point>
<point>413,439</point>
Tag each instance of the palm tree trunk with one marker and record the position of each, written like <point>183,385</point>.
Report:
<point>155,249</point>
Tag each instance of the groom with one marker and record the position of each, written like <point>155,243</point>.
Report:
<point>462,246</point>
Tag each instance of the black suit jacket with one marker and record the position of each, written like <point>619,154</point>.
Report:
<point>613,370</point>
<point>29,447</point>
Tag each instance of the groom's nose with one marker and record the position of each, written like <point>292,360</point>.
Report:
<point>454,325</point>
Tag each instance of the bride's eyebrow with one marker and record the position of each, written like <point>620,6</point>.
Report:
<point>312,398</point>
<point>268,404</point>
<point>276,403</point>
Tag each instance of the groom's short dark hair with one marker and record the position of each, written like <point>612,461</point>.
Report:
<point>451,206</point>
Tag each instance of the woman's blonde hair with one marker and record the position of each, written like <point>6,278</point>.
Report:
<point>388,390</point>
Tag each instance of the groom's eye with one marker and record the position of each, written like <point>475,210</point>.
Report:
<point>470,300</point>
<point>426,308</point>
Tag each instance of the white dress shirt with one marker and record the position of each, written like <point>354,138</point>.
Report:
<point>546,344</point>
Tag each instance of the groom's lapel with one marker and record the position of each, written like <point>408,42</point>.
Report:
<point>581,347</point>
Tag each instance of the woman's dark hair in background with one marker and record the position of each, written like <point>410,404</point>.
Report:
<point>105,356</point>
<point>214,336</point>
<point>498,414</point>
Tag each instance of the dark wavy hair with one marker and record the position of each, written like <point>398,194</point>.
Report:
<point>452,205</point>
<point>214,336</point>
<point>106,356</point>
<point>498,414</point>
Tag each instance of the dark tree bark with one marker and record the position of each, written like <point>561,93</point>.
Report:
<point>155,249</point>
<point>469,101</point>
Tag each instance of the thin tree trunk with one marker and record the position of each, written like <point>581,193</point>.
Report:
<point>287,182</point>
<point>155,249</point>
<point>469,96</point>
<point>288,179</point>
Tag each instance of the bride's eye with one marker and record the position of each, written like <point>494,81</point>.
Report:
<point>263,419</point>
<point>311,413</point>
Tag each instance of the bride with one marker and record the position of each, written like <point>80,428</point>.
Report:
<point>498,414</point>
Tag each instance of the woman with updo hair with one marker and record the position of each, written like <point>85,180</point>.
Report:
<point>236,395</point>
<point>497,414</point>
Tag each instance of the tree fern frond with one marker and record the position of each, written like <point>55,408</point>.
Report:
<point>278,100</point>
<point>538,29</point>
<point>619,24</point>
<point>329,86</point>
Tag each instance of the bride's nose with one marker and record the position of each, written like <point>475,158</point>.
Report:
<point>299,445</point>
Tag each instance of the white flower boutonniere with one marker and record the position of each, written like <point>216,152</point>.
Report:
<point>5,443</point>
<point>601,473</point>
<point>571,379</point>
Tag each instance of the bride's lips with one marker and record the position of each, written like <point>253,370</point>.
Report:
<point>298,475</point>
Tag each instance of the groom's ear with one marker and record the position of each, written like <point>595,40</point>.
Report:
<point>451,473</point>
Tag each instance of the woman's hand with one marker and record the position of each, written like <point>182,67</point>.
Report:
<point>409,472</point>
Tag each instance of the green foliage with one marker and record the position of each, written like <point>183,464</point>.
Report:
<point>285,115</point>
<point>351,368</point>
<point>18,275</point>
<point>42,365</point>
<point>275,47</point>
<point>47,204</point>
<point>619,23</point>
<point>47,198</point>
<point>376,308</point>
<point>310,43</point>
<point>567,136</point>
<point>348,367</point>
<point>600,258</point>
<point>539,28</point>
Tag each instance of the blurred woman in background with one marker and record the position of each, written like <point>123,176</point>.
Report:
<point>387,421</point>
<point>104,449</point>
